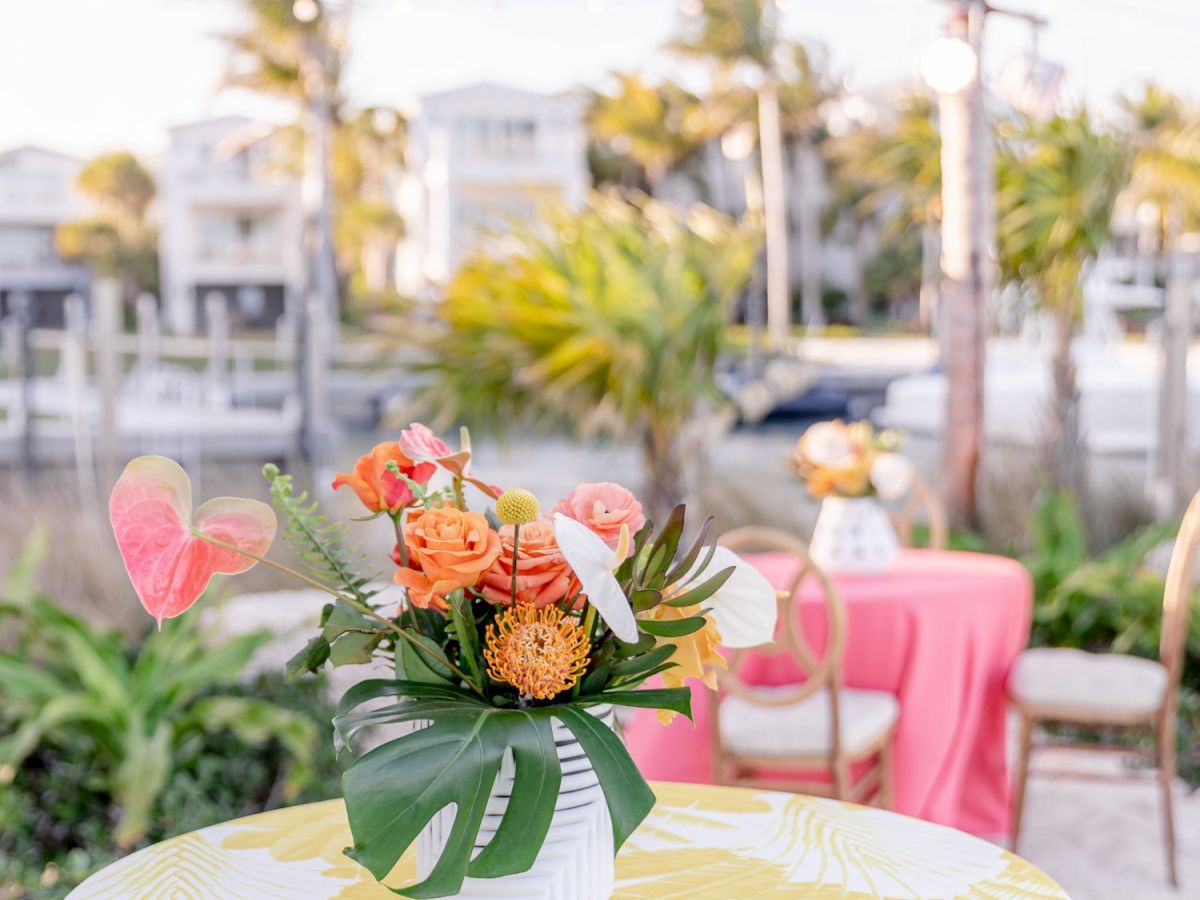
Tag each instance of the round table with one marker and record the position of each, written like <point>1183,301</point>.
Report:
<point>940,630</point>
<point>699,842</point>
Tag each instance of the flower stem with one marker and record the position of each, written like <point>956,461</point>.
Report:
<point>398,526</point>
<point>516,543</point>
<point>402,548</point>
<point>351,601</point>
<point>459,501</point>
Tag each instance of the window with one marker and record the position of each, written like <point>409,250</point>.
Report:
<point>27,246</point>
<point>497,138</point>
<point>238,237</point>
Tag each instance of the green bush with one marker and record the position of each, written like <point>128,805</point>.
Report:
<point>108,744</point>
<point>59,817</point>
<point>1111,601</point>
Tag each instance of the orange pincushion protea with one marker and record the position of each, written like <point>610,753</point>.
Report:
<point>540,652</point>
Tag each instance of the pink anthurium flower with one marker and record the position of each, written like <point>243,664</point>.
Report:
<point>163,546</point>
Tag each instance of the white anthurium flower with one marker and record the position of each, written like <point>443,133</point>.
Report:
<point>892,475</point>
<point>594,562</point>
<point>744,608</point>
<point>826,444</point>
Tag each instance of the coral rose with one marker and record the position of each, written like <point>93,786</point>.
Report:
<point>448,549</point>
<point>543,576</point>
<point>603,508</point>
<point>377,487</point>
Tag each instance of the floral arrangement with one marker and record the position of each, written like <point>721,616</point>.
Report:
<point>511,619</point>
<point>837,459</point>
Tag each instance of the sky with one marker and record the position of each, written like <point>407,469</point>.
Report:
<point>85,76</point>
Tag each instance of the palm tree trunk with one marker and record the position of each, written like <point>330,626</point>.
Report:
<point>1063,438</point>
<point>770,141</point>
<point>860,310</point>
<point>964,297</point>
<point>930,269</point>
<point>1171,468</point>
<point>812,309</point>
<point>321,301</point>
<point>663,461</point>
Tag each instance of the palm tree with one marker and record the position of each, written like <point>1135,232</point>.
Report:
<point>742,38</point>
<point>298,58</point>
<point>1057,183</point>
<point>368,153</point>
<point>119,242</point>
<point>296,52</point>
<point>609,322</point>
<point>902,167</point>
<point>1165,130</point>
<point>658,126</point>
<point>805,90</point>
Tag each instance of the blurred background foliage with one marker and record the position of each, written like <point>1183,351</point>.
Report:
<point>111,743</point>
<point>608,321</point>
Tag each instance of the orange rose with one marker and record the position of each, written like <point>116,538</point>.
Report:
<point>448,549</point>
<point>543,576</point>
<point>852,480</point>
<point>820,482</point>
<point>377,487</point>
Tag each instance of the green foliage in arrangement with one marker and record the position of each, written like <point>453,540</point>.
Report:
<point>134,709</point>
<point>476,719</point>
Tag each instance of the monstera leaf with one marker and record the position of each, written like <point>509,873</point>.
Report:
<point>393,791</point>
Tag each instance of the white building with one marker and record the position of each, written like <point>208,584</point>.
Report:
<point>480,157</point>
<point>232,223</point>
<point>37,193</point>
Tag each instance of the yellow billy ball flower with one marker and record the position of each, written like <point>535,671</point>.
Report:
<point>517,506</point>
<point>540,652</point>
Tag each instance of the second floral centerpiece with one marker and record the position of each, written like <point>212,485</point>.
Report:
<point>519,633</point>
<point>847,467</point>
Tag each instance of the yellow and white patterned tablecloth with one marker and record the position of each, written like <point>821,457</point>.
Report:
<point>699,842</point>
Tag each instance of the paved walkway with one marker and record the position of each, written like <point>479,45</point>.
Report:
<point>1102,840</point>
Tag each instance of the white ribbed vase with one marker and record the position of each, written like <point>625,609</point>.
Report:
<point>853,535</point>
<point>576,860</point>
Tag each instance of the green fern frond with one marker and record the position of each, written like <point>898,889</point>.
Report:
<point>320,543</point>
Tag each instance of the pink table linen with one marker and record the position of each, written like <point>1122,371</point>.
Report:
<point>940,631</point>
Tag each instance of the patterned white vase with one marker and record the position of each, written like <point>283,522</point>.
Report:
<point>576,860</point>
<point>854,535</point>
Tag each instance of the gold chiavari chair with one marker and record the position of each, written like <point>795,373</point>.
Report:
<point>817,725</point>
<point>1113,690</point>
<point>922,497</point>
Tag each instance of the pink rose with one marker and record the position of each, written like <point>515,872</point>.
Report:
<point>604,508</point>
<point>543,576</point>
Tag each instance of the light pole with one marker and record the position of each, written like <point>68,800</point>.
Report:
<point>951,67</point>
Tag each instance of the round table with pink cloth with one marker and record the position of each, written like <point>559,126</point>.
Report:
<point>940,631</point>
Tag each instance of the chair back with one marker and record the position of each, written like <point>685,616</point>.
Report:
<point>789,634</point>
<point>1177,596</point>
<point>922,496</point>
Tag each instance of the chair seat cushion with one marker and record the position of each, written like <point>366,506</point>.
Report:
<point>804,728</point>
<point>1076,686</point>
